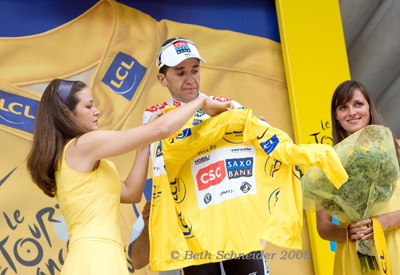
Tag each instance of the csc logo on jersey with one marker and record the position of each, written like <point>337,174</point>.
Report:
<point>211,175</point>
<point>240,167</point>
<point>17,111</point>
<point>124,75</point>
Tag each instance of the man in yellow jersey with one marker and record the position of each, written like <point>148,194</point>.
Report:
<point>178,64</point>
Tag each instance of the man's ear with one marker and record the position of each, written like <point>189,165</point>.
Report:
<point>163,80</point>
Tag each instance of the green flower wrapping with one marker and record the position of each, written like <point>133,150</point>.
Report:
<point>369,158</point>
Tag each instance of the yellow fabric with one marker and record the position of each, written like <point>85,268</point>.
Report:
<point>381,248</point>
<point>348,263</point>
<point>90,203</point>
<point>255,192</point>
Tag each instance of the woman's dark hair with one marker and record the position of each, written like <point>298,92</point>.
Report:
<point>344,93</point>
<point>55,125</point>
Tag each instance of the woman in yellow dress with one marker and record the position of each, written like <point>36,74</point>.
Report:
<point>68,161</point>
<point>352,109</point>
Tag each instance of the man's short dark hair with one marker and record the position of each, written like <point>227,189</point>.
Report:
<point>163,70</point>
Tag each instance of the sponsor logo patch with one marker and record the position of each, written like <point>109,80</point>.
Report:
<point>197,121</point>
<point>211,175</point>
<point>184,134</point>
<point>199,113</point>
<point>178,190</point>
<point>124,75</point>
<point>186,226</point>
<point>207,198</point>
<point>202,159</point>
<point>240,167</point>
<point>17,111</point>
<point>245,187</point>
<point>176,103</point>
<point>230,191</point>
<point>181,47</point>
<point>269,145</point>
<point>156,108</point>
<point>159,149</point>
<point>221,98</point>
<point>241,150</point>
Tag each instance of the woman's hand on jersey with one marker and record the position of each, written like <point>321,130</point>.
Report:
<point>155,116</point>
<point>214,107</point>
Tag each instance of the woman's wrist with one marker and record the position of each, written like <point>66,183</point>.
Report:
<point>202,100</point>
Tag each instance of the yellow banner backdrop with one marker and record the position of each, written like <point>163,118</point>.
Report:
<point>315,59</point>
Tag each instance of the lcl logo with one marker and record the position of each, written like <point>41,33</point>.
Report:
<point>17,111</point>
<point>124,75</point>
<point>211,175</point>
<point>16,108</point>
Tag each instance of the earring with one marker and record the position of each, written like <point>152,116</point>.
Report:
<point>340,126</point>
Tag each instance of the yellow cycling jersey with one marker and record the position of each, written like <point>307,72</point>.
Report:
<point>228,183</point>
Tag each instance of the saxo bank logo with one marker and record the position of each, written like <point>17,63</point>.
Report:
<point>17,111</point>
<point>239,167</point>
<point>124,75</point>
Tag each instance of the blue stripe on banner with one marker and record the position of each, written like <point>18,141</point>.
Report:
<point>253,17</point>
<point>135,209</point>
<point>333,244</point>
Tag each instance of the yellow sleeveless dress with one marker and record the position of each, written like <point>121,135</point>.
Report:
<point>90,203</point>
<point>348,263</point>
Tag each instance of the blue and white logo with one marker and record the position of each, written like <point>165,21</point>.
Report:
<point>184,134</point>
<point>17,111</point>
<point>269,145</point>
<point>197,121</point>
<point>158,149</point>
<point>240,167</point>
<point>124,75</point>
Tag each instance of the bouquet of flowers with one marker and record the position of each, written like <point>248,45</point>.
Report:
<point>370,160</point>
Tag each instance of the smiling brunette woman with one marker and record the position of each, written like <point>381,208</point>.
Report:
<point>352,109</point>
<point>67,161</point>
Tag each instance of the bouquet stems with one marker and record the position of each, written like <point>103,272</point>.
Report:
<point>367,263</point>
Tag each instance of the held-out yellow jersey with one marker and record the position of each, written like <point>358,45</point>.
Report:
<point>228,183</point>
<point>113,49</point>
